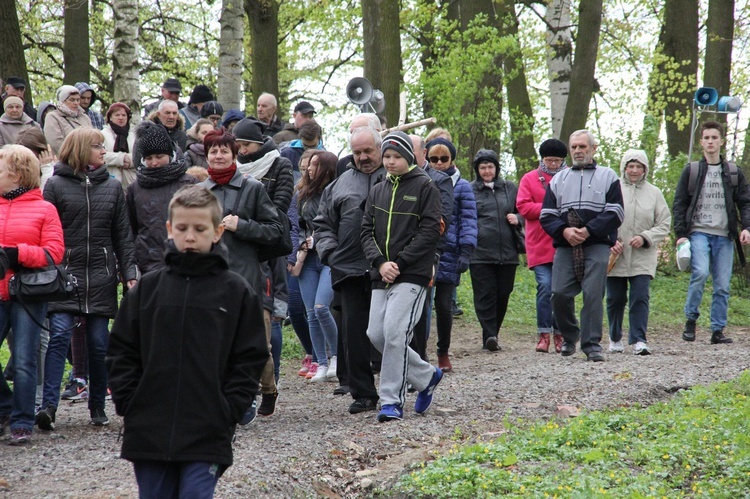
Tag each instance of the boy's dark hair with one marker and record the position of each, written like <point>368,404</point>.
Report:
<point>708,125</point>
<point>197,196</point>
<point>310,130</point>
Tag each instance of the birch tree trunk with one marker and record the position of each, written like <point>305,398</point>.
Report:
<point>560,48</point>
<point>230,54</point>
<point>382,51</point>
<point>125,73</point>
<point>76,48</point>
<point>582,79</point>
<point>12,58</point>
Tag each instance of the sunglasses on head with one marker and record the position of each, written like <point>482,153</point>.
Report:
<point>442,159</point>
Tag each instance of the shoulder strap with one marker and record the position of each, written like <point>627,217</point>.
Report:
<point>693,178</point>
<point>734,175</point>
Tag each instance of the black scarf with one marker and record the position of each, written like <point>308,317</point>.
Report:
<point>121,137</point>
<point>15,192</point>
<point>151,178</point>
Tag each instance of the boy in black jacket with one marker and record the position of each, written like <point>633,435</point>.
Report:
<point>185,355</point>
<point>400,233</point>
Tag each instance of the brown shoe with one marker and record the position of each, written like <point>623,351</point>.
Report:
<point>558,342</point>
<point>444,363</point>
<point>543,345</point>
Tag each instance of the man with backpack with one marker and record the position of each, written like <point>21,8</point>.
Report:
<point>709,195</point>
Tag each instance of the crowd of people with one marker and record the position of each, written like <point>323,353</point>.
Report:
<point>353,251</point>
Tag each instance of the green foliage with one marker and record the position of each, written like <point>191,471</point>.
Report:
<point>697,444</point>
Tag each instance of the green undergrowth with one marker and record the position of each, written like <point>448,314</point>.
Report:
<point>695,445</point>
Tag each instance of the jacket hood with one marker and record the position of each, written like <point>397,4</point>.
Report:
<point>637,155</point>
<point>40,111</point>
<point>155,115</point>
<point>297,144</point>
<point>232,115</point>
<point>25,120</point>
<point>486,155</point>
<point>85,87</point>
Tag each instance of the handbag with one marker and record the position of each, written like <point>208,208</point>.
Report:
<point>41,285</point>
<point>519,236</point>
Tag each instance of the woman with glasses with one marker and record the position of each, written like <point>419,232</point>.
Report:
<point>460,242</point>
<point>98,246</point>
<point>68,116</point>
<point>539,249</point>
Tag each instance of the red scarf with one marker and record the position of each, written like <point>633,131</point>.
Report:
<point>222,177</point>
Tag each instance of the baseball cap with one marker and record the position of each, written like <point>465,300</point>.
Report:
<point>173,85</point>
<point>304,107</point>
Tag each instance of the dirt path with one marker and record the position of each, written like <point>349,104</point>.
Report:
<point>313,447</point>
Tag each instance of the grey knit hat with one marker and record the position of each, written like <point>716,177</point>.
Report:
<point>153,139</point>
<point>401,143</point>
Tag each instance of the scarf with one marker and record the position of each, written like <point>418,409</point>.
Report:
<point>222,177</point>
<point>121,137</point>
<point>260,166</point>
<point>151,178</point>
<point>549,172</point>
<point>15,193</point>
<point>64,109</point>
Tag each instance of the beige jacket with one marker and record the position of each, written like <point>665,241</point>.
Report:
<point>10,128</point>
<point>57,126</point>
<point>646,215</point>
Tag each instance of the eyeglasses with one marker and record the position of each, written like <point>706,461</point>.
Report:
<point>98,147</point>
<point>442,159</point>
<point>554,161</point>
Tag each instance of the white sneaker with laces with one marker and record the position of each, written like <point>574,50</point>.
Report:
<point>320,375</point>
<point>331,374</point>
<point>616,347</point>
<point>640,348</point>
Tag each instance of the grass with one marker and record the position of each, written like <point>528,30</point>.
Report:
<point>696,445</point>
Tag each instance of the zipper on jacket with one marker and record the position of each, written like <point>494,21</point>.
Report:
<point>175,415</point>
<point>106,262</point>
<point>88,241</point>
<point>390,218</point>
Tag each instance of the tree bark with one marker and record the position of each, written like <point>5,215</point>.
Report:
<point>560,48</point>
<point>519,104</point>
<point>679,71</point>
<point>125,74</point>
<point>263,16</point>
<point>230,54</point>
<point>582,81</point>
<point>382,51</point>
<point>12,57</point>
<point>719,36</point>
<point>76,49</point>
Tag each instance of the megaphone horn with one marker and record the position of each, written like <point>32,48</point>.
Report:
<point>359,91</point>
<point>706,96</point>
<point>729,104</point>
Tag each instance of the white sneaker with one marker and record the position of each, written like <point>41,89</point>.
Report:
<point>331,374</point>
<point>320,375</point>
<point>640,348</point>
<point>616,347</point>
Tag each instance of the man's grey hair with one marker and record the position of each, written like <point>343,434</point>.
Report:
<point>367,129</point>
<point>166,102</point>
<point>273,98</point>
<point>419,140</point>
<point>372,120</point>
<point>591,137</point>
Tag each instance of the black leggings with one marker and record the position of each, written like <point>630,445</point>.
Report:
<point>444,315</point>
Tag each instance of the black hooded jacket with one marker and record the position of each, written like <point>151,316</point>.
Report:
<point>185,355</point>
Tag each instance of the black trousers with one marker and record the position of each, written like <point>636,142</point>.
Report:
<point>355,315</point>
<point>444,315</point>
<point>492,285</point>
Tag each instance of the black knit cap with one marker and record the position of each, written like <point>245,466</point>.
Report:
<point>249,130</point>
<point>201,93</point>
<point>553,148</point>
<point>401,143</point>
<point>211,107</point>
<point>153,139</point>
<point>447,143</point>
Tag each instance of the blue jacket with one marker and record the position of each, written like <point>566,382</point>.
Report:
<point>293,152</point>
<point>461,233</point>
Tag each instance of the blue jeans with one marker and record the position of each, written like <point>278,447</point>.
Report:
<point>714,256</point>
<point>617,297</point>
<point>19,403</point>
<point>176,480</point>
<point>545,321</point>
<point>298,315</point>
<point>97,339</point>
<point>317,293</point>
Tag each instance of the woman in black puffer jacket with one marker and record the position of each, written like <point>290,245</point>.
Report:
<point>98,244</point>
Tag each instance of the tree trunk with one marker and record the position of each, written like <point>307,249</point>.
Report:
<point>264,35</point>
<point>426,39</point>
<point>653,117</point>
<point>12,57</point>
<point>125,74</point>
<point>230,54</point>
<point>582,81</point>
<point>560,43</point>
<point>76,51</point>
<point>519,103</point>
<point>719,36</point>
<point>679,71</point>
<point>382,51</point>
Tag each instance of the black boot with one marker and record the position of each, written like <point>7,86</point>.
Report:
<point>689,333</point>
<point>717,338</point>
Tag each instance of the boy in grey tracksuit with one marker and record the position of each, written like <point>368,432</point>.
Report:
<point>400,233</point>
